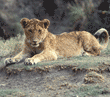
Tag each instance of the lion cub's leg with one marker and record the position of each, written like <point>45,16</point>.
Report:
<point>87,54</point>
<point>45,55</point>
<point>21,56</point>
<point>92,51</point>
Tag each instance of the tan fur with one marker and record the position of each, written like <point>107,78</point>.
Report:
<point>41,45</point>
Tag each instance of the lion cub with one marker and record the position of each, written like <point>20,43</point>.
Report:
<point>41,45</point>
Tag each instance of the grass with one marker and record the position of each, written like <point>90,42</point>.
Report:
<point>9,46</point>
<point>107,50</point>
<point>78,62</point>
<point>11,93</point>
<point>88,90</point>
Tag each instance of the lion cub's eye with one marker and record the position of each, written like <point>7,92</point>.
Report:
<point>30,30</point>
<point>40,31</point>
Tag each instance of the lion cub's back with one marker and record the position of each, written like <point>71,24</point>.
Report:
<point>68,44</point>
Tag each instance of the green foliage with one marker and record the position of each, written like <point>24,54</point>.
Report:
<point>86,16</point>
<point>78,11</point>
<point>12,21</point>
<point>16,28</point>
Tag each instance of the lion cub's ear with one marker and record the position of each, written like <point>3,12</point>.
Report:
<point>24,22</point>
<point>44,23</point>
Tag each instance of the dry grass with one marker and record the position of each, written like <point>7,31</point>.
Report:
<point>12,46</point>
<point>93,77</point>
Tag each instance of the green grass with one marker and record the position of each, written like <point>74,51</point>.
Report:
<point>86,91</point>
<point>90,90</point>
<point>11,93</point>
<point>79,62</point>
<point>107,50</point>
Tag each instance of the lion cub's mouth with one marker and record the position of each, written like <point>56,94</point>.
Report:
<point>34,45</point>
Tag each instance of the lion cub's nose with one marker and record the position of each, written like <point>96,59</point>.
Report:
<point>34,42</point>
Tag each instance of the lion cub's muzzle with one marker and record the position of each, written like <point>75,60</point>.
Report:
<point>34,43</point>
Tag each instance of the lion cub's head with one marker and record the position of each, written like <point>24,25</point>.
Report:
<point>35,30</point>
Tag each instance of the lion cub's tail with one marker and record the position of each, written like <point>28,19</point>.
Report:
<point>103,37</point>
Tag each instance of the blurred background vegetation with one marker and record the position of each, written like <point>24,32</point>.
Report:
<point>64,15</point>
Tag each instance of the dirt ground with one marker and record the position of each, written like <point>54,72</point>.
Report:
<point>53,80</point>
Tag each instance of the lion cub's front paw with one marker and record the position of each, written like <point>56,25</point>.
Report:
<point>29,61</point>
<point>9,61</point>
